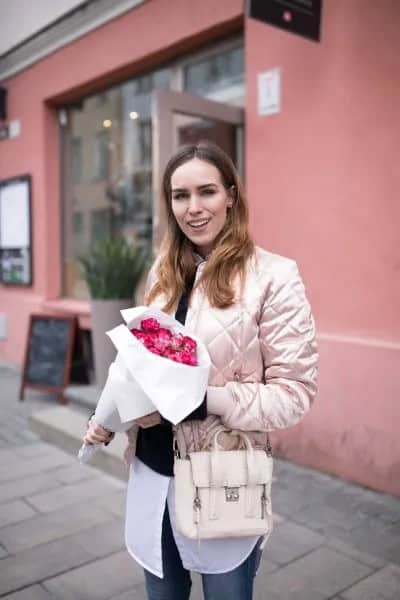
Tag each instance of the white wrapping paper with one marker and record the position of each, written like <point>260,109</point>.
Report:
<point>140,382</point>
<point>175,389</point>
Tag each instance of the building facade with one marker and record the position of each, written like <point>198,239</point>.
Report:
<point>100,100</point>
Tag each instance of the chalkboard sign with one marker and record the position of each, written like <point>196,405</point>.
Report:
<point>48,354</point>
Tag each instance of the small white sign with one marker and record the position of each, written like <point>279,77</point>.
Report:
<point>3,327</point>
<point>269,92</point>
<point>14,128</point>
<point>14,215</point>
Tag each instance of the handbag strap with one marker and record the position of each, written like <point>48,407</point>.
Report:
<point>216,464</point>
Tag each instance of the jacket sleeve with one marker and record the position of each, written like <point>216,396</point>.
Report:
<point>286,334</point>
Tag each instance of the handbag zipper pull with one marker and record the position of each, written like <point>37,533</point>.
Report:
<point>268,447</point>
<point>197,507</point>
<point>264,502</point>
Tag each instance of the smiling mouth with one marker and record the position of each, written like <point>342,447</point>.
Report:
<point>199,225</point>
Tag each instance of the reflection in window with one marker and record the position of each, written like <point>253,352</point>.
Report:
<point>76,152</point>
<point>101,155</point>
<point>78,233</point>
<point>110,162</point>
<point>215,73</point>
<point>144,132</point>
<point>100,224</point>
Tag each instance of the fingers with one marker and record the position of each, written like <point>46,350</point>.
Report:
<point>96,434</point>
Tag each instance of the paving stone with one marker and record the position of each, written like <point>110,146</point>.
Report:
<point>362,557</point>
<point>33,592</point>
<point>74,473</point>
<point>289,541</point>
<point>26,486</point>
<point>39,563</point>
<point>37,449</point>
<point>70,494</point>
<point>382,585</point>
<point>7,436</point>
<point>7,456</point>
<point>113,503</point>
<point>22,467</point>
<point>102,540</point>
<point>51,526</point>
<point>15,511</point>
<point>373,538</point>
<point>317,576</point>
<point>138,592</point>
<point>99,580</point>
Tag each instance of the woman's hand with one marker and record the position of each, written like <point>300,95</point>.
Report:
<point>150,420</point>
<point>96,434</point>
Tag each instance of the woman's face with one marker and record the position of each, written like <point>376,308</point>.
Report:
<point>199,202</point>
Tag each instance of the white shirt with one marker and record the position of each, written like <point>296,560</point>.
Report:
<point>148,491</point>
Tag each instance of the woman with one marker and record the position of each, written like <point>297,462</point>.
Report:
<point>249,308</point>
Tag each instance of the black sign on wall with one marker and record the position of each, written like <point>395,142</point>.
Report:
<point>297,16</point>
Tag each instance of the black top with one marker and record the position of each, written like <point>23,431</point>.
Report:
<point>154,444</point>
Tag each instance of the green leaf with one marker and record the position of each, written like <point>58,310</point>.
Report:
<point>114,268</point>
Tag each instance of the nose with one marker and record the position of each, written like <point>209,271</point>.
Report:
<point>194,204</point>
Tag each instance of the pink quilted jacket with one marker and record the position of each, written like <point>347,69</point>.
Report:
<point>263,354</point>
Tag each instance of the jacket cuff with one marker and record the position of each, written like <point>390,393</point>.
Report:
<point>219,401</point>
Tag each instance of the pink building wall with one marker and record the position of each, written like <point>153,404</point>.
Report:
<point>321,174</point>
<point>125,46</point>
<point>324,175</point>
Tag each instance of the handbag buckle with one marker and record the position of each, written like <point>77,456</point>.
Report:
<point>231,494</point>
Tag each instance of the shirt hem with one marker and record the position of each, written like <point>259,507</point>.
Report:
<point>230,568</point>
<point>141,563</point>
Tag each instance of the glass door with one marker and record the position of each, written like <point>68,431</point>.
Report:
<point>180,118</point>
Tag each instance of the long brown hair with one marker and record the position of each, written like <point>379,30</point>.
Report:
<point>233,245</point>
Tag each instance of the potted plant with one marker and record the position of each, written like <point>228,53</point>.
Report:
<point>112,270</point>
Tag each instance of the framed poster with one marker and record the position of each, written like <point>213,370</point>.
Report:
<point>16,231</point>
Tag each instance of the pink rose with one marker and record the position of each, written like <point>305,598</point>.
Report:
<point>149,339</point>
<point>171,354</point>
<point>161,341</point>
<point>138,334</point>
<point>150,325</point>
<point>155,350</point>
<point>177,341</point>
<point>189,344</point>
<point>187,358</point>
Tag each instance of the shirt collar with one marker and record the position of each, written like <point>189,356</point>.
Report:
<point>198,259</point>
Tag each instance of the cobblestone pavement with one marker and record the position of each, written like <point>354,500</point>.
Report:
<point>61,527</point>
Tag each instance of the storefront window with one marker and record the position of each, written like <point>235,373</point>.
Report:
<point>218,76</point>
<point>108,191</point>
<point>107,170</point>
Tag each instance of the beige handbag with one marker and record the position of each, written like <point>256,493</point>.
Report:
<point>223,493</point>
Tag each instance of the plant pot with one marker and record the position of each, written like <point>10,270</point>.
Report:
<point>105,315</point>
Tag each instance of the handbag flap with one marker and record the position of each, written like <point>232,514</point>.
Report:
<point>232,466</point>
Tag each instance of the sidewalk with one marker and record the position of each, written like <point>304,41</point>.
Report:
<point>61,527</point>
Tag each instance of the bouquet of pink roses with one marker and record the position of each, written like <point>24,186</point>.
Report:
<point>158,366</point>
<point>163,342</point>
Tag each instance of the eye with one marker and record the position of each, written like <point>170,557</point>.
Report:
<point>179,196</point>
<point>209,191</point>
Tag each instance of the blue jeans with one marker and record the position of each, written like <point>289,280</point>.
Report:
<point>176,584</point>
